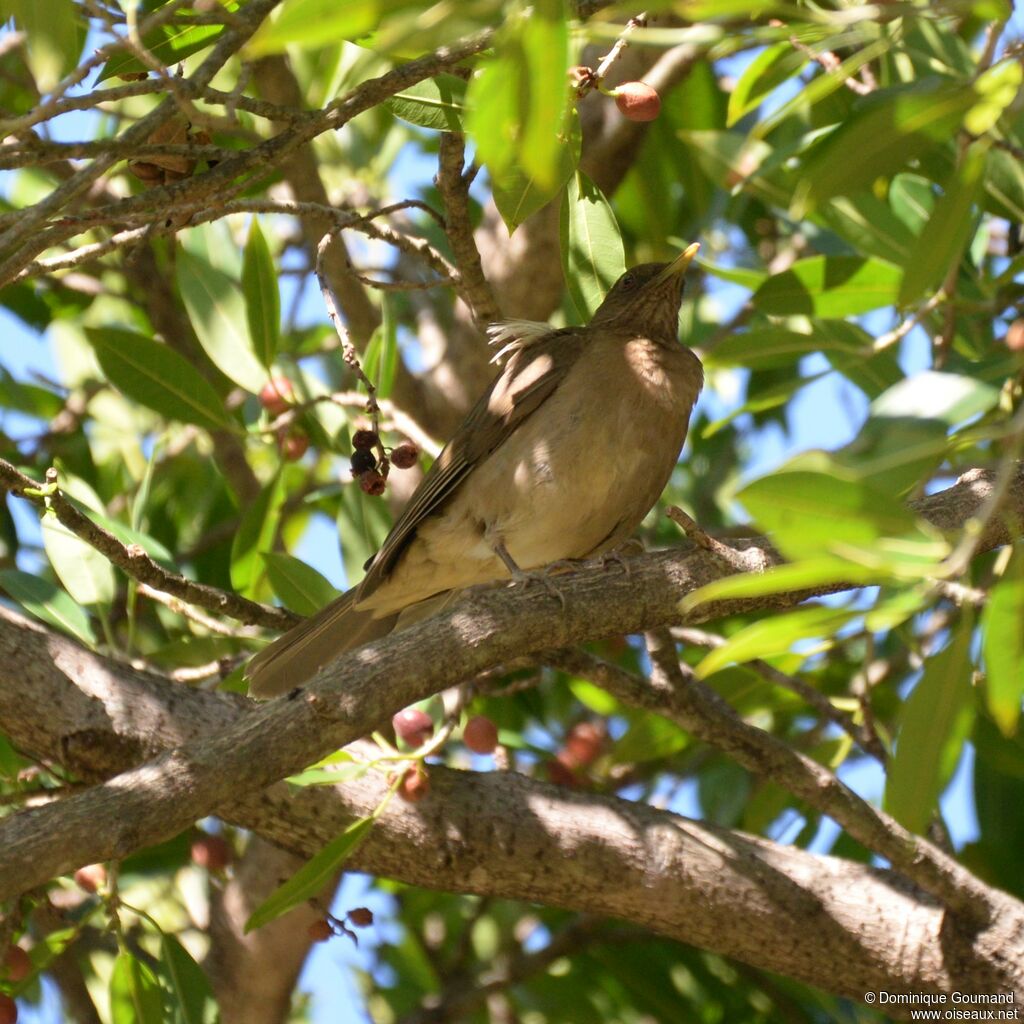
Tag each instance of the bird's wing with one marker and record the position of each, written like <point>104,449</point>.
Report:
<point>529,377</point>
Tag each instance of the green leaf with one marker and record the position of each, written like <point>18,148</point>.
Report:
<point>996,88</point>
<point>218,313</point>
<point>518,98</point>
<point>48,603</point>
<point>254,538</point>
<point>157,377</point>
<point>310,879</point>
<point>775,635</point>
<point>593,257</point>
<point>648,738</point>
<point>262,298</point>
<point>882,137</point>
<point>86,574</point>
<point>330,776</point>
<point>316,23</point>
<point>947,397</point>
<point>769,69</point>
<point>169,44</point>
<point>931,734</point>
<point>192,999</point>
<point>55,32</point>
<point>135,996</point>
<point>946,233</point>
<point>299,586</point>
<point>517,195</point>
<point>830,286</point>
<point>769,347</point>
<point>593,697</point>
<point>438,103</point>
<point>1002,624</point>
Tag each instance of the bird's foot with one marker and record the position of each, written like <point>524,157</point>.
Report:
<point>540,576</point>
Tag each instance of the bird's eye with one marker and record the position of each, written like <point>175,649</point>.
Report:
<point>629,282</point>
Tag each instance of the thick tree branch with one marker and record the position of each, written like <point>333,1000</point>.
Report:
<point>821,919</point>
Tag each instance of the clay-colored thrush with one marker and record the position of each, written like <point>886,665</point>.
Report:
<point>561,458</point>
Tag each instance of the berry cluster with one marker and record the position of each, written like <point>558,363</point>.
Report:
<point>371,474</point>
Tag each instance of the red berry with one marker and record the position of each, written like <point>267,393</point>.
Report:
<point>277,395</point>
<point>1015,336</point>
<point>413,726</point>
<point>8,1010</point>
<point>293,444</point>
<point>365,439</point>
<point>560,773</point>
<point>584,742</point>
<point>415,785</point>
<point>372,483</point>
<point>405,455</point>
<point>362,460</point>
<point>211,852</point>
<point>320,931</point>
<point>638,101</point>
<point>361,917</point>
<point>480,735</point>
<point>91,877</point>
<point>17,965</point>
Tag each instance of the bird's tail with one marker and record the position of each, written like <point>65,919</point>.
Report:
<point>296,657</point>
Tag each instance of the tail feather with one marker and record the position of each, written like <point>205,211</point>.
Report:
<point>297,656</point>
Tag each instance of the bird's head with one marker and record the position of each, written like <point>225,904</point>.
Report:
<point>646,298</point>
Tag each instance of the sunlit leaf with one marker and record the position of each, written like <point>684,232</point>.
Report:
<point>311,878</point>
<point>191,997</point>
<point>217,310</point>
<point>592,253</point>
<point>255,537</point>
<point>830,286</point>
<point>157,377</point>
<point>135,996</point>
<point>1002,624</point>
<point>262,298</point>
<point>48,603</point>
<point>931,734</point>
<point>438,103</point>
<point>997,88</point>
<point>769,69</point>
<point>948,397</point>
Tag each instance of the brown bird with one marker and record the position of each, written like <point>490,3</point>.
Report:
<point>561,458</point>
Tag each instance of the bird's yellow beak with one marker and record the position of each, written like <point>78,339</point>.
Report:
<point>680,264</point>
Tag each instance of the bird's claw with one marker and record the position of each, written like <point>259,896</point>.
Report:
<point>543,577</point>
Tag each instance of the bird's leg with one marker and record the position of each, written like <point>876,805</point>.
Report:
<point>520,576</point>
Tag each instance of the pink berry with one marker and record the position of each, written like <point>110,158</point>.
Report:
<point>638,101</point>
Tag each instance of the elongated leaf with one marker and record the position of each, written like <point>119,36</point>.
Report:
<point>135,996</point>
<point>947,232</point>
<point>299,586</point>
<point>255,536</point>
<point>775,635</point>
<point>517,195</point>
<point>769,69</point>
<point>262,298</point>
<point>765,347</point>
<point>948,397</point>
<point>996,89</point>
<point>312,876</point>
<point>593,257</point>
<point>315,23</point>
<point>48,603</point>
<point>648,738</point>
<point>158,378</point>
<point>1003,629</point>
<point>882,137</point>
<point>192,998</point>
<point>931,734</point>
<point>217,310</point>
<point>830,286</point>
<point>438,103</point>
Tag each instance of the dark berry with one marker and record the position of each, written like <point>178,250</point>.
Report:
<point>362,460</point>
<point>17,966</point>
<point>405,456</point>
<point>480,735</point>
<point>560,773</point>
<point>365,439</point>
<point>415,785</point>
<point>361,917</point>
<point>637,101</point>
<point>211,852</point>
<point>320,931</point>
<point>8,1010</point>
<point>372,483</point>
